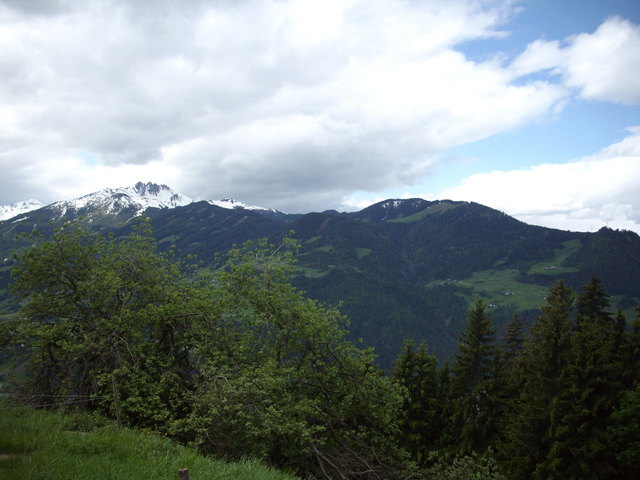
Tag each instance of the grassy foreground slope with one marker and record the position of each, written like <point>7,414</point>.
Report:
<point>42,445</point>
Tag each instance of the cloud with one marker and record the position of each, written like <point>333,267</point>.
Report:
<point>585,194</point>
<point>603,65</point>
<point>280,103</point>
<point>36,7</point>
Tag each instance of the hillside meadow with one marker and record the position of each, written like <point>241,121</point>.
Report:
<point>38,445</point>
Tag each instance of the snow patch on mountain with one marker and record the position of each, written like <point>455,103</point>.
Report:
<point>232,203</point>
<point>396,203</point>
<point>392,203</point>
<point>138,198</point>
<point>112,201</point>
<point>15,209</point>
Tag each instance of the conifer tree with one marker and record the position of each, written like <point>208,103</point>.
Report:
<point>509,356</point>
<point>506,381</point>
<point>593,304</point>
<point>446,405</point>
<point>632,352</point>
<point>476,350</point>
<point>513,340</point>
<point>416,371</point>
<point>580,442</point>
<point>625,430</point>
<point>473,425</point>
<point>544,358</point>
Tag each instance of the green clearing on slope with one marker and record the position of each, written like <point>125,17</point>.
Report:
<point>499,288</point>
<point>502,288</point>
<point>555,266</point>
<point>53,446</point>
<point>430,210</point>
<point>310,272</point>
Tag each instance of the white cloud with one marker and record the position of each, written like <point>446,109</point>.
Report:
<point>603,65</point>
<point>586,194</point>
<point>539,55</point>
<point>280,103</point>
<point>290,104</point>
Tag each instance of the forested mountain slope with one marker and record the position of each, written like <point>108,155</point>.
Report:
<point>399,268</point>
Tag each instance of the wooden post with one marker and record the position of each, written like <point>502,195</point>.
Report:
<point>183,473</point>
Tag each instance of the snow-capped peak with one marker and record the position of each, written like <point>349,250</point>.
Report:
<point>10,211</point>
<point>112,201</point>
<point>139,197</point>
<point>232,203</point>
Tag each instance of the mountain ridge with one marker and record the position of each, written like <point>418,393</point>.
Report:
<point>400,268</point>
<point>13,210</point>
<point>136,199</point>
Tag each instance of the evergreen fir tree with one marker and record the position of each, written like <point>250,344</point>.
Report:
<point>632,352</point>
<point>580,445</point>
<point>513,340</point>
<point>473,425</point>
<point>506,382</point>
<point>593,303</point>
<point>476,350</point>
<point>446,405</point>
<point>416,371</point>
<point>625,430</point>
<point>619,329</point>
<point>544,358</point>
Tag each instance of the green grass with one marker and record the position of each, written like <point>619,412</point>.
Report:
<point>37,445</point>
<point>501,288</point>
<point>362,252</point>
<point>169,238</point>
<point>430,210</point>
<point>310,272</point>
<point>554,267</point>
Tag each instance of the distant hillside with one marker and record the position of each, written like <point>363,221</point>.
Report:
<point>411,268</point>
<point>399,268</point>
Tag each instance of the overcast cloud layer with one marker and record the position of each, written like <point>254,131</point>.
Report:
<point>293,105</point>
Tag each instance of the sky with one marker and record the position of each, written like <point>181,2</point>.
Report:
<point>531,107</point>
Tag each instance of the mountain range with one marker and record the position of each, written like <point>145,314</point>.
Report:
<point>398,269</point>
<point>131,201</point>
<point>15,209</point>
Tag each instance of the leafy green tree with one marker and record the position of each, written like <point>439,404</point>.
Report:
<point>237,362</point>
<point>100,318</point>
<point>473,466</point>
<point>277,379</point>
